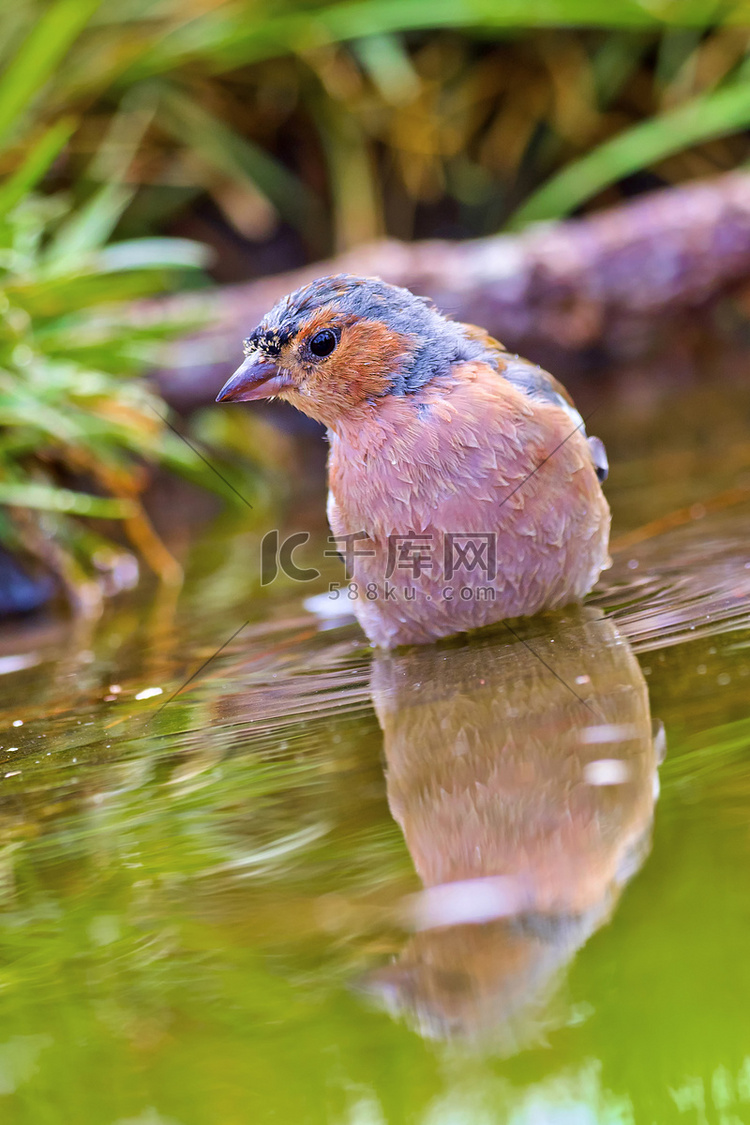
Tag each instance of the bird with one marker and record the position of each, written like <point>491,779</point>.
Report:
<point>463,488</point>
<point>521,831</point>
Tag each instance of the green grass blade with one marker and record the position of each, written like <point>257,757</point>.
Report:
<point>39,57</point>
<point>50,499</point>
<point>354,186</point>
<point>225,42</point>
<point>387,62</point>
<point>34,167</point>
<point>702,119</point>
<point>90,227</point>
<point>62,294</point>
<point>153,253</point>
<point>236,156</point>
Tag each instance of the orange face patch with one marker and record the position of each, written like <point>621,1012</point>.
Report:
<point>361,368</point>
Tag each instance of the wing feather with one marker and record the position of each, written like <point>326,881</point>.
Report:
<point>538,384</point>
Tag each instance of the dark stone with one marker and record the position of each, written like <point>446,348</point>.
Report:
<point>21,592</point>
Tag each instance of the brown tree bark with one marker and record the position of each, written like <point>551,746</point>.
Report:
<point>568,285</point>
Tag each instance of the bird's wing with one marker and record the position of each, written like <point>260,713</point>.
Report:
<point>538,384</point>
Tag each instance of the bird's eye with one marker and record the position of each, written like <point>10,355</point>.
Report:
<point>323,343</point>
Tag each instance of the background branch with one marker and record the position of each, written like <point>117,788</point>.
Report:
<point>568,285</point>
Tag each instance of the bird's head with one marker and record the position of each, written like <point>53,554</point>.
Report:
<point>342,342</point>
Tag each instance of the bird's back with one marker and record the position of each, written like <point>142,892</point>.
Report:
<point>533,381</point>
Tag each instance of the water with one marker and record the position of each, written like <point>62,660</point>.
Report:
<point>451,885</point>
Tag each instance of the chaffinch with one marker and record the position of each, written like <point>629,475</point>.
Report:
<point>462,486</point>
<point>526,805</point>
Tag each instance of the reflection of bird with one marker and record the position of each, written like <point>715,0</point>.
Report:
<point>526,806</point>
<point>465,469</point>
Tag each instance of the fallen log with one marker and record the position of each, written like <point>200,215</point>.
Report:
<point>568,285</point>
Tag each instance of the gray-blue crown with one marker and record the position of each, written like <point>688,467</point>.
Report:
<point>439,342</point>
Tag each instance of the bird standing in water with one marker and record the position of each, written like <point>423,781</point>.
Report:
<point>462,487</point>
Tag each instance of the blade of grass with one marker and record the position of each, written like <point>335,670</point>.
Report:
<point>614,63</point>
<point>39,57</point>
<point>146,253</point>
<point>387,62</point>
<point>90,227</point>
<point>704,118</point>
<point>62,295</point>
<point>236,156</point>
<point>124,136</point>
<point>37,161</point>
<point>224,42</point>
<point>356,201</point>
<point>51,499</point>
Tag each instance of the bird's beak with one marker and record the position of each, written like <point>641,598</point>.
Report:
<point>256,378</point>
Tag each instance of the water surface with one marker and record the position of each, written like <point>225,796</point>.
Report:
<point>457,884</point>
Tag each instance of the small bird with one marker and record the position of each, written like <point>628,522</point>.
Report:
<point>521,831</point>
<point>463,489</point>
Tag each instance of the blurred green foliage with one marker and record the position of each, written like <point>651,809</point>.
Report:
<point>68,410</point>
<point>327,124</point>
<point>408,117</point>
